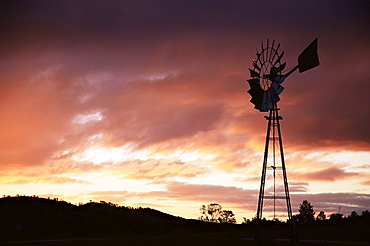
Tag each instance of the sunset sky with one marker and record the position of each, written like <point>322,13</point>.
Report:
<point>145,103</point>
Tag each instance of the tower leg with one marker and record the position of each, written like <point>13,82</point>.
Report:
<point>264,165</point>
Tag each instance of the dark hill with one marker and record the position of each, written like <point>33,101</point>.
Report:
<point>33,217</point>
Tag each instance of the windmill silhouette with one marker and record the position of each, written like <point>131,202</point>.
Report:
<point>267,76</point>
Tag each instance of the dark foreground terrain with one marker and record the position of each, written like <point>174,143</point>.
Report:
<point>40,221</point>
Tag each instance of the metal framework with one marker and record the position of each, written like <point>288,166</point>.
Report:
<point>273,160</point>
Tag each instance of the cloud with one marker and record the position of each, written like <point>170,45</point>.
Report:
<point>30,121</point>
<point>153,112</point>
<point>153,169</point>
<point>204,193</point>
<point>330,174</point>
<point>295,187</point>
<point>46,180</point>
<point>55,173</point>
<point>366,183</point>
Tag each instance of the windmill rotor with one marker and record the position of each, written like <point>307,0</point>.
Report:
<point>267,77</point>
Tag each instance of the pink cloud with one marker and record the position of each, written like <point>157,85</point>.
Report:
<point>205,193</point>
<point>156,169</point>
<point>329,174</point>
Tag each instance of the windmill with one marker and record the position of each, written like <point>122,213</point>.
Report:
<point>267,76</point>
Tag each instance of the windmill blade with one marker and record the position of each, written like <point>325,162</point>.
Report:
<point>263,106</point>
<point>274,76</point>
<point>277,48</point>
<point>275,70</point>
<point>253,82</point>
<point>278,79</point>
<point>273,56</point>
<point>271,51</point>
<point>279,58</point>
<point>281,67</point>
<point>266,102</point>
<point>257,96</point>
<point>274,96</point>
<point>274,100</point>
<point>267,99</point>
<point>276,88</point>
<point>254,74</point>
<point>259,59</point>
<point>308,58</point>
<point>255,64</point>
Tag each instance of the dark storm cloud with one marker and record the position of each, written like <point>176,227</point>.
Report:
<point>72,22</point>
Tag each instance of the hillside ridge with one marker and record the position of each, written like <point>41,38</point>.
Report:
<point>35,216</point>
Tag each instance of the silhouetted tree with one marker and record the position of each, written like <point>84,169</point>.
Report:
<point>203,213</point>
<point>335,216</point>
<point>353,214</point>
<point>227,216</point>
<point>245,220</point>
<point>306,213</point>
<point>336,219</point>
<point>365,213</point>
<point>213,213</point>
<point>321,216</point>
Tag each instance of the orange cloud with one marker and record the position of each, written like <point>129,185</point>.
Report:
<point>46,180</point>
<point>156,169</point>
<point>330,174</point>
